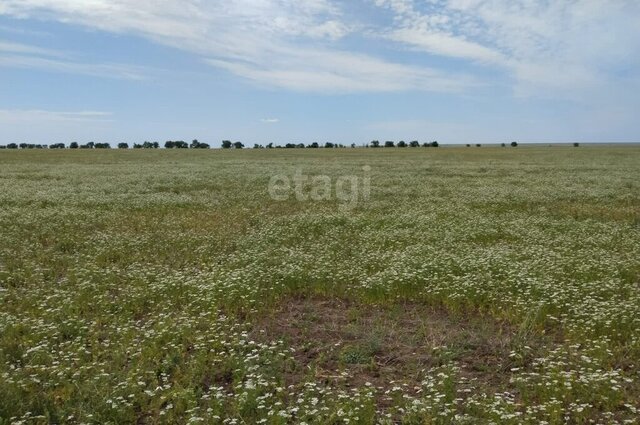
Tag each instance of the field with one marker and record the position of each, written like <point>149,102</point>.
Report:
<point>448,285</point>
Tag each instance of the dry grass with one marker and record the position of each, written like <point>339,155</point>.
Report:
<point>348,343</point>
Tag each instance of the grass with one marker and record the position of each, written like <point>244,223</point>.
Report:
<point>472,286</point>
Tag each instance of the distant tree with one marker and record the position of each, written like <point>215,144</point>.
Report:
<point>576,144</point>
<point>155,145</point>
<point>226,144</point>
<point>314,145</point>
<point>73,145</point>
<point>402,144</point>
<point>478,145</point>
<point>123,145</point>
<point>3,147</point>
<point>238,145</point>
<point>269,146</point>
<point>202,145</point>
<point>426,145</point>
<point>300,146</point>
<point>435,144</point>
<point>329,145</point>
<point>102,146</point>
<point>414,144</point>
<point>468,145</point>
<point>503,144</point>
<point>389,144</point>
<point>147,145</point>
<point>257,146</point>
<point>194,144</point>
<point>353,145</point>
<point>514,144</point>
<point>375,143</point>
<point>57,146</point>
<point>139,145</point>
<point>23,145</point>
<point>172,144</point>
<point>198,145</point>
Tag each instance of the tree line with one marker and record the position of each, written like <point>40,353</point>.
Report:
<point>226,144</point>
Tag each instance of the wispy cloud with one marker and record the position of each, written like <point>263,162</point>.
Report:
<point>117,71</point>
<point>19,48</point>
<point>21,31</point>
<point>545,46</point>
<point>38,115</point>
<point>270,120</point>
<point>273,43</point>
<point>27,56</point>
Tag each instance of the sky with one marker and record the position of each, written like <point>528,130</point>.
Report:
<point>281,71</point>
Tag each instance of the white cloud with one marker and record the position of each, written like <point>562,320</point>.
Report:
<point>275,43</point>
<point>96,70</point>
<point>21,31</point>
<point>550,47</point>
<point>9,116</point>
<point>333,71</point>
<point>19,55</point>
<point>546,46</point>
<point>270,120</point>
<point>444,44</point>
<point>19,48</point>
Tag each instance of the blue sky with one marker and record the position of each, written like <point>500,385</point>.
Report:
<point>260,71</point>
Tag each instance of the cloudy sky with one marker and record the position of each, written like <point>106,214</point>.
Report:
<point>347,71</point>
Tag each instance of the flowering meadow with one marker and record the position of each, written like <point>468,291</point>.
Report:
<point>493,285</point>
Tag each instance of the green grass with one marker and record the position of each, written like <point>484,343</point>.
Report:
<point>134,285</point>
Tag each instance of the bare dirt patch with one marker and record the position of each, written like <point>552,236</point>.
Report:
<point>344,343</point>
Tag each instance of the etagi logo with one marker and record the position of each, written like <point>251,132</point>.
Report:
<point>347,189</point>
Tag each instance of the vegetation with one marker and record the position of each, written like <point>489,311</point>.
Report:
<point>472,286</point>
